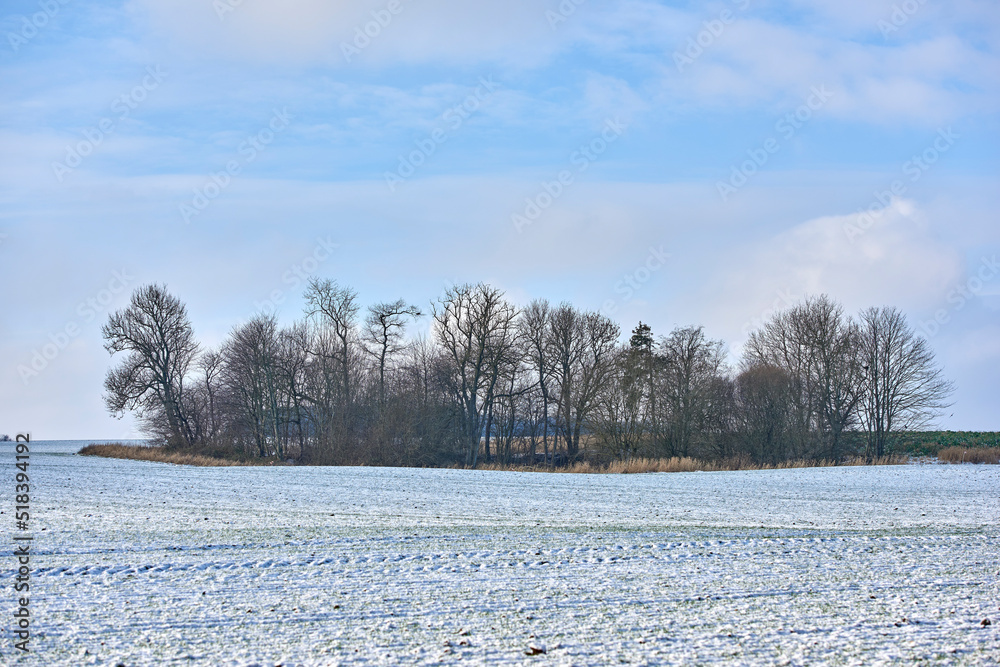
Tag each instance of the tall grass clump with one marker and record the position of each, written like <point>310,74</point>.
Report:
<point>118,450</point>
<point>687,464</point>
<point>970,455</point>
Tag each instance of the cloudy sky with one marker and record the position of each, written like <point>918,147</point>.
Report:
<point>677,163</point>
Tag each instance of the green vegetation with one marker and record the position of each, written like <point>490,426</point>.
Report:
<point>930,443</point>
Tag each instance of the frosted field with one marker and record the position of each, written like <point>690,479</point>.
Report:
<point>148,564</point>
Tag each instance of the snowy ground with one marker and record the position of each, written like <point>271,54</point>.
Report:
<point>147,564</point>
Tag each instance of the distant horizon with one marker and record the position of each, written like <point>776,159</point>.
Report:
<point>33,439</point>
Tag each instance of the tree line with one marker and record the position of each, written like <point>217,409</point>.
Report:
<point>542,384</point>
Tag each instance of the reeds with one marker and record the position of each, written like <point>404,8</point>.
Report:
<point>970,455</point>
<point>687,464</point>
<point>625,467</point>
<point>140,453</point>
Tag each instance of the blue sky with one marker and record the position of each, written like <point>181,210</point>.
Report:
<point>715,155</point>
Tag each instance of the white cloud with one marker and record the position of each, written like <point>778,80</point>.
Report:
<point>754,62</point>
<point>897,261</point>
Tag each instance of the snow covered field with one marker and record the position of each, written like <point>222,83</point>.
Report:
<point>146,564</point>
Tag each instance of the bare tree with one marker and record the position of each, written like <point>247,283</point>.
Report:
<point>721,418</point>
<point>251,370</point>
<point>901,387</point>
<point>293,365</point>
<point>764,411</point>
<point>508,410</point>
<point>534,324</point>
<point>833,342</point>
<point>816,344</point>
<point>335,368</point>
<point>783,342</point>
<point>690,363</point>
<point>157,337</point>
<point>492,378</point>
<point>428,405</point>
<point>583,347</point>
<point>474,325</point>
<point>384,328</point>
<point>210,364</point>
<point>618,419</point>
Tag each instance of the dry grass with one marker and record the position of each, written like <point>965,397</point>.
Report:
<point>970,455</point>
<point>630,466</point>
<point>687,464</point>
<point>140,453</point>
